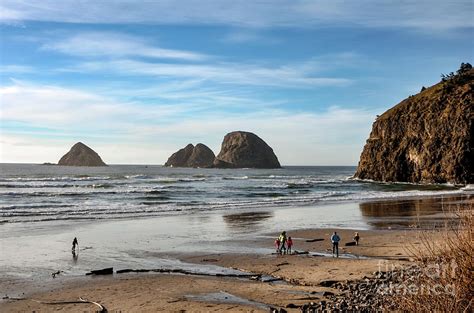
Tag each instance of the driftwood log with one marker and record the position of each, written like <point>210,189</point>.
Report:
<point>104,271</point>
<point>314,240</point>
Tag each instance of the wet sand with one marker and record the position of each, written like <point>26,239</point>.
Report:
<point>300,275</point>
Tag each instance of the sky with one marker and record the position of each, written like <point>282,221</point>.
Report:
<point>138,80</point>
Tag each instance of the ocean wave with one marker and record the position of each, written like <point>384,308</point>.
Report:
<point>139,176</point>
<point>469,187</point>
<point>33,206</point>
<point>297,185</point>
<point>264,194</point>
<point>61,178</point>
<point>236,178</point>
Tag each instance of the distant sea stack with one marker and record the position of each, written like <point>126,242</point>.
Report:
<point>192,156</point>
<point>81,155</point>
<point>426,138</point>
<point>245,150</point>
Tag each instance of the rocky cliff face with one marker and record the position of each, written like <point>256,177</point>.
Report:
<point>243,149</point>
<point>427,138</point>
<point>81,155</point>
<point>192,156</point>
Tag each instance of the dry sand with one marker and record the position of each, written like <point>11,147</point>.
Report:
<point>178,293</point>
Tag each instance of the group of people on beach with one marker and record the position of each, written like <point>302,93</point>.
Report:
<point>283,244</point>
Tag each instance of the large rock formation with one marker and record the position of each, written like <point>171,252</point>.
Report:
<point>81,155</point>
<point>427,138</point>
<point>180,158</point>
<point>201,156</point>
<point>245,150</point>
<point>192,156</point>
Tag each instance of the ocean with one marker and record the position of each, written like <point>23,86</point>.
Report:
<point>36,193</point>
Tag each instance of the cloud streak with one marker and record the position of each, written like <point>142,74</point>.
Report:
<point>288,76</point>
<point>411,14</point>
<point>111,44</point>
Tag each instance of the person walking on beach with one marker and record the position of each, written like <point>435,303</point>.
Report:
<point>74,245</point>
<point>289,244</point>
<point>277,245</point>
<point>335,243</point>
<point>356,238</point>
<point>282,239</point>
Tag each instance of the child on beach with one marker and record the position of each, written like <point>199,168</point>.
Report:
<point>289,244</point>
<point>277,245</point>
<point>356,238</point>
<point>74,244</point>
<point>282,239</point>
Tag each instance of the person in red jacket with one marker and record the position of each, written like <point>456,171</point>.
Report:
<point>289,244</point>
<point>277,245</point>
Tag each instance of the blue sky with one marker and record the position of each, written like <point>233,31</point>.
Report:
<point>137,80</point>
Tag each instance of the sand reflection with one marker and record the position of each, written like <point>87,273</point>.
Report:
<point>411,212</point>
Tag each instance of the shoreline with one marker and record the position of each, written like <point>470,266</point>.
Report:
<point>244,242</point>
<point>298,278</point>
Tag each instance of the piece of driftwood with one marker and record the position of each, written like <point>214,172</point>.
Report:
<point>284,263</point>
<point>102,309</point>
<point>301,252</point>
<point>104,271</point>
<point>350,243</point>
<point>314,240</point>
<point>181,271</point>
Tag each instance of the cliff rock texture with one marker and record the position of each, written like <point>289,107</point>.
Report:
<point>192,156</point>
<point>426,138</point>
<point>201,156</point>
<point>81,155</point>
<point>245,150</point>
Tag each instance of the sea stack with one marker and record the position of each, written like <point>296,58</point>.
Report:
<point>192,156</point>
<point>426,138</point>
<point>245,150</point>
<point>81,155</point>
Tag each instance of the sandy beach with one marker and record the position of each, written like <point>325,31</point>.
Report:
<point>297,277</point>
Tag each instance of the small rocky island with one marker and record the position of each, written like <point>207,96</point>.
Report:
<point>426,138</point>
<point>245,150</point>
<point>81,155</point>
<point>192,156</point>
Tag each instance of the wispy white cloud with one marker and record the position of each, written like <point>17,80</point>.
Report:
<point>55,106</point>
<point>15,69</point>
<point>149,134</point>
<point>296,76</point>
<point>113,44</point>
<point>249,35</point>
<point>415,14</point>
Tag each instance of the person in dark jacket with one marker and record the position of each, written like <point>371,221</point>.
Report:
<point>335,243</point>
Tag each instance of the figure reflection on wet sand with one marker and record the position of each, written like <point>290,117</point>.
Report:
<point>247,220</point>
<point>410,212</point>
<point>75,256</point>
